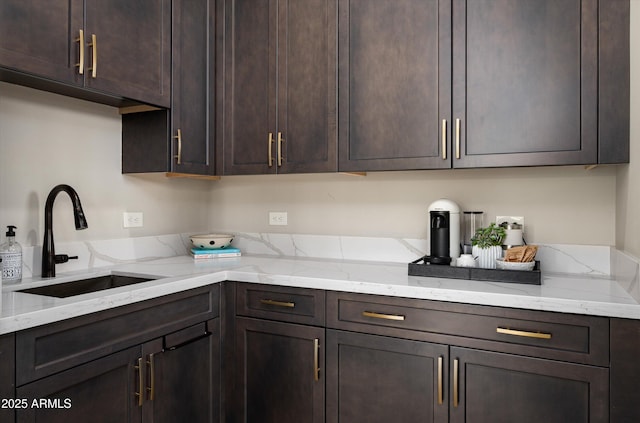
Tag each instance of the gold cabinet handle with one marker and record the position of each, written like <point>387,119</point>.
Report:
<point>280,141</point>
<point>179,155</point>
<point>444,139</point>
<point>288,304</point>
<point>94,57</point>
<point>455,382</point>
<point>269,144</point>
<point>139,393</point>
<point>526,334</point>
<point>152,377</point>
<point>440,393</point>
<point>316,359</point>
<point>80,40</point>
<point>457,138</point>
<point>383,315</point>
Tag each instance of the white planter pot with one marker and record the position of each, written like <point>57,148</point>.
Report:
<point>487,256</point>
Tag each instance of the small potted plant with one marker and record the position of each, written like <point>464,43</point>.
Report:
<point>487,245</point>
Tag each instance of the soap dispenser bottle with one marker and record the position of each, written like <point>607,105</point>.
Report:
<point>11,255</point>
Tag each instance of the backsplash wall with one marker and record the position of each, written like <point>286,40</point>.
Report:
<point>563,205</point>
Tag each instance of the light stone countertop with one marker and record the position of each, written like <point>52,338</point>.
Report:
<point>567,293</point>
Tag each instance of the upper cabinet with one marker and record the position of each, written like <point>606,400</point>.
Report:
<point>105,51</point>
<point>525,82</point>
<point>394,84</point>
<point>482,83</point>
<point>180,140</point>
<point>280,86</point>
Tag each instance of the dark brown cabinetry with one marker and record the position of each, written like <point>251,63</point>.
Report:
<point>482,84</point>
<point>7,375</point>
<point>279,366</point>
<point>493,387</point>
<point>180,140</point>
<point>497,364</point>
<point>104,51</point>
<point>394,84</point>
<point>151,361</point>
<point>280,86</point>
<point>380,379</point>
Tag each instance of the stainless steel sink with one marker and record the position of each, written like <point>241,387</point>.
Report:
<point>85,286</point>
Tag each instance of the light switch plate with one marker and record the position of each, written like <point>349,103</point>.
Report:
<point>132,219</point>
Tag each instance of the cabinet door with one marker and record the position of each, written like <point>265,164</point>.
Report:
<point>280,366</point>
<point>131,52</point>
<point>42,39</point>
<point>186,378</point>
<point>250,86</point>
<point>381,379</point>
<point>494,387</point>
<point>194,88</point>
<point>7,375</point>
<point>307,110</point>
<point>525,82</point>
<point>394,84</point>
<point>103,390</point>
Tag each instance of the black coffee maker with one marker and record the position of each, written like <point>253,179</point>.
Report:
<point>439,226</point>
<point>444,232</point>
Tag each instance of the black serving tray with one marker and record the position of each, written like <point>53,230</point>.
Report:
<point>421,268</point>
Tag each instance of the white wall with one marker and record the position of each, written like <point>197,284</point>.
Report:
<point>47,139</point>
<point>628,177</point>
<point>560,204</point>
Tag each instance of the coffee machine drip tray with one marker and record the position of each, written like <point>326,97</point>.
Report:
<point>437,260</point>
<point>423,267</point>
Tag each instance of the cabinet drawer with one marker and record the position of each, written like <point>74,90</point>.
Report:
<point>48,349</point>
<point>583,339</point>
<point>297,305</point>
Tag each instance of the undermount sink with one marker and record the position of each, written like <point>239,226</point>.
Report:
<point>85,286</point>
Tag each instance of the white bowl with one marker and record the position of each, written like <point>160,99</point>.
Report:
<point>211,241</point>
<point>514,265</point>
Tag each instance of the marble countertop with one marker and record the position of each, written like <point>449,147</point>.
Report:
<point>568,293</point>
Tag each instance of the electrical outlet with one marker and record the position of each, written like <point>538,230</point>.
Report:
<point>278,218</point>
<point>132,219</point>
<point>511,219</point>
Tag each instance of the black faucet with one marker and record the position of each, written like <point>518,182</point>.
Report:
<point>49,257</point>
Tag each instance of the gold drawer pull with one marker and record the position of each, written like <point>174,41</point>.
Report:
<point>440,392</point>
<point>316,359</point>
<point>444,139</point>
<point>151,389</point>
<point>80,64</point>
<point>456,393</point>
<point>94,58</point>
<point>288,304</point>
<point>526,334</point>
<point>280,141</point>
<point>179,155</point>
<point>270,148</point>
<point>457,138</point>
<point>140,393</point>
<point>382,315</point>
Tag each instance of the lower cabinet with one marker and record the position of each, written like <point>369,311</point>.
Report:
<point>373,379</point>
<point>415,381</point>
<point>154,361</point>
<point>278,355</point>
<point>492,387</point>
<point>397,359</point>
<point>280,374</point>
<point>184,376</point>
<point>7,376</point>
<point>103,390</point>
